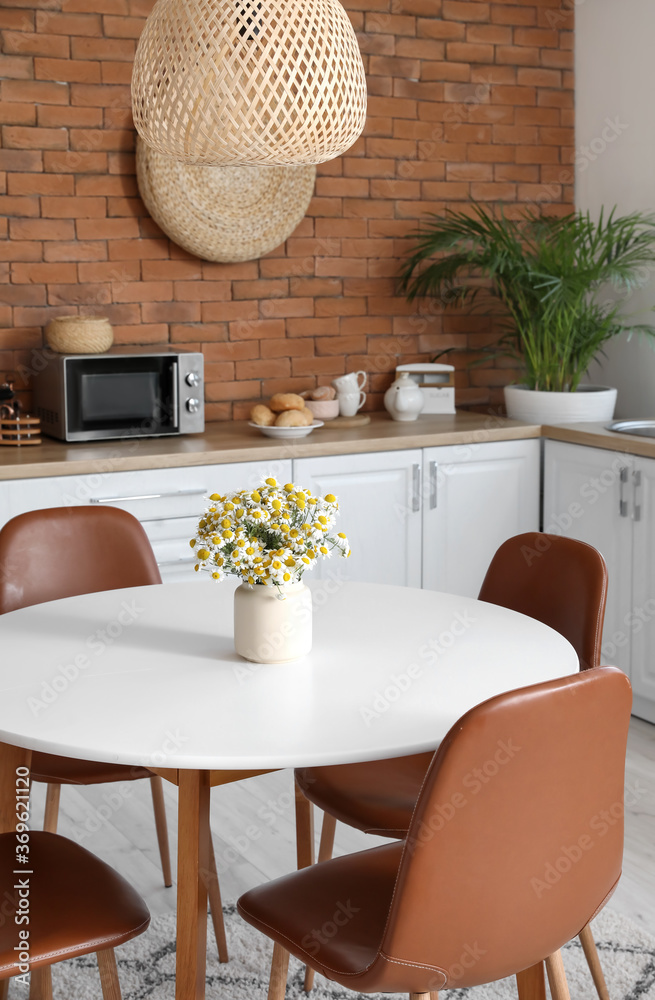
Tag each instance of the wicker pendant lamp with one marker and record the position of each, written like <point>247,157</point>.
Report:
<point>249,81</point>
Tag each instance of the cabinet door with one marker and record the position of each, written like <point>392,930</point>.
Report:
<point>379,500</point>
<point>587,495</point>
<point>641,623</point>
<point>475,497</point>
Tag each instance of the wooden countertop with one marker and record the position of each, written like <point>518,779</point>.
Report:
<point>237,442</point>
<point>597,436</point>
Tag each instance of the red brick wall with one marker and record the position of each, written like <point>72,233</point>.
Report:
<point>467,99</point>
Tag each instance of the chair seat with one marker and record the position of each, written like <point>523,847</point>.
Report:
<point>77,903</point>
<point>376,797</point>
<point>305,911</point>
<point>68,771</point>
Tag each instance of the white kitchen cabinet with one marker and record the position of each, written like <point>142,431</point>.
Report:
<point>380,511</point>
<point>168,502</point>
<point>607,498</point>
<point>475,496</point>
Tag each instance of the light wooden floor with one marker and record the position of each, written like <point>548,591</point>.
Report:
<point>254,832</point>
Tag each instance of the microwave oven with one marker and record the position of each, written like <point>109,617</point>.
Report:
<point>120,394</point>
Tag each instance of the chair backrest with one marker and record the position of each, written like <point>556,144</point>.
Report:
<point>559,581</point>
<point>65,551</point>
<point>517,836</point>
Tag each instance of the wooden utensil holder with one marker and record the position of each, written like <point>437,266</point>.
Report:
<point>19,430</point>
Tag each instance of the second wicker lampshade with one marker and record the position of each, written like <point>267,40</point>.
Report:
<point>249,81</point>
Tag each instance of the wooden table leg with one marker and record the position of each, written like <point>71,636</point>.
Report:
<point>192,863</point>
<point>304,829</point>
<point>10,759</point>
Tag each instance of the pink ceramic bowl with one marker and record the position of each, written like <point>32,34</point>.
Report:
<point>323,409</point>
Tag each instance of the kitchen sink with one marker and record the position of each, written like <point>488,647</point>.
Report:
<point>642,428</point>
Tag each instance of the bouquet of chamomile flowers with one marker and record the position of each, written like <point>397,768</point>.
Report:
<point>269,535</point>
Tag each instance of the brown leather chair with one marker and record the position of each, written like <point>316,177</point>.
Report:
<point>559,581</point>
<point>77,905</point>
<point>61,552</point>
<point>515,844</point>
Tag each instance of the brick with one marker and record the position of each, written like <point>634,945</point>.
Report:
<point>141,333</point>
<point>99,95</point>
<point>22,184</point>
<point>313,327</point>
<point>276,308</point>
<point>539,37</point>
<point>557,59</point>
<point>171,312</point>
<point>17,114</point>
<point>296,348</point>
<point>116,72</point>
<point>515,15</point>
<point>99,6</point>
<point>37,273</point>
<point>69,70</point>
<point>201,291</point>
<point>446,71</point>
<point>341,267</point>
<point>54,116</point>
<point>539,78</point>
<point>233,390</point>
<point>94,186</point>
<point>491,34</point>
<point>78,294</point>
<point>318,366</point>
<point>268,368</point>
<point>469,53</point>
<point>394,24</point>
<point>107,229</point>
<point>459,10</point>
<point>101,139</point>
<point>514,95</point>
<point>262,288</point>
<point>493,192</point>
<point>19,137</point>
<point>111,271</point>
<point>144,291</point>
<point>41,229</point>
<point>138,249</point>
<point>123,27</point>
<point>394,107</point>
<point>446,30</point>
<point>537,154</point>
<point>420,48</point>
<point>538,116</point>
<point>20,250</point>
<point>393,188</point>
<point>258,329</point>
<point>390,66</point>
<point>351,306</point>
<point>556,136</point>
<point>555,98</point>
<point>37,91</point>
<point>75,251</point>
<point>223,312</point>
<point>469,171</point>
<point>29,44</point>
<point>379,45</point>
<point>340,345</point>
<point>18,20</point>
<point>309,286</point>
<point>517,55</point>
<point>315,247</point>
<point>54,23</point>
<point>19,206</point>
<point>229,350</point>
<point>23,295</point>
<point>516,172</point>
<point>172,270</point>
<point>114,49</point>
<point>16,67</point>
<point>74,162</point>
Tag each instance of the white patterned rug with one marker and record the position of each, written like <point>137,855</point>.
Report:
<point>147,967</point>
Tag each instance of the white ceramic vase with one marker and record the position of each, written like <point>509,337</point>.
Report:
<point>271,625</point>
<point>589,402</point>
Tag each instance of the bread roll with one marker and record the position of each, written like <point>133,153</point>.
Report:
<point>283,401</point>
<point>323,393</point>
<point>294,418</point>
<point>262,416</point>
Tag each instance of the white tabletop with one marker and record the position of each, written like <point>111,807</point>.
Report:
<point>157,681</point>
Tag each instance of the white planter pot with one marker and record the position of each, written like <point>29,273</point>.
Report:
<point>588,402</point>
<point>270,629</point>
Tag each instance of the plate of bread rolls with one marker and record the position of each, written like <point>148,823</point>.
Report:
<point>285,416</point>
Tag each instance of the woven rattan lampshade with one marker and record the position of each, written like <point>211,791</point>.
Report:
<point>249,81</point>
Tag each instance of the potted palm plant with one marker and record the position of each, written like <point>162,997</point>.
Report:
<point>559,284</point>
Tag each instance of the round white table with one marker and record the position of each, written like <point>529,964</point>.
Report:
<point>149,676</point>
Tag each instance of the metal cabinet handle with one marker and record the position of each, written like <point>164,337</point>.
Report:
<point>623,503</point>
<point>636,508</point>
<point>416,487</point>
<point>433,485</point>
<point>150,496</point>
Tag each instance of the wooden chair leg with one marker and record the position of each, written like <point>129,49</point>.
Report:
<point>41,983</point>
<point>324,854</point>
<point>593,961</point>
<point>434,995</point>
<point>559,989</point>
<point>277,986</point>
<point>216,905</point>
<point>304,830</point>
<point>111,989</point>
<point>157,789</point>
<point>532,983</point>
<point>420,996</point>
<point>4,989</point>
<point>51,808</point>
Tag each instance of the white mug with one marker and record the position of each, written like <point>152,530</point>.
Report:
<point>350,382</point>
<point>350,403</point>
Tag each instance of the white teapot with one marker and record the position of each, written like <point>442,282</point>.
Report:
<point>403,399</point>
